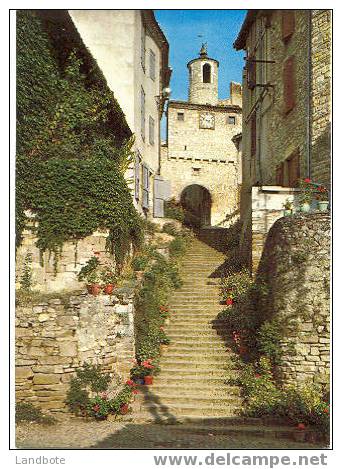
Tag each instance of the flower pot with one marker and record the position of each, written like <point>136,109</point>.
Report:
<point>124,408</point>
<point>148,380</point>
<point>108,289</point>
<point>94,289</point>
<point>305,207</point>
<point>322,205</point>
<point>287,213</point>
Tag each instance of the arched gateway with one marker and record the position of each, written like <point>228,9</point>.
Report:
<point>196,201</point>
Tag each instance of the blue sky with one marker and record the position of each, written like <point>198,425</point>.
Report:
<point>219,29</point>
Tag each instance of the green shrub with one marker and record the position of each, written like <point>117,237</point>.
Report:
<point>26,412</point>
<point>88,270</point>
<point>26,276</point>
<point>171,229</point>
<point>174,209</point>
<point>139,262</point>
<point>269,337</point>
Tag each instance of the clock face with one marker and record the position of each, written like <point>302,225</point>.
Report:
<point>207,121</point>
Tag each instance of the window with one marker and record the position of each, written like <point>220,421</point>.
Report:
<point>143,47</point>
<point>293,169</point>
<point>206,73</point>
<point>289,84</point>
<point>151,130</point>
<point>146,187</point>
<point>137,176</point>
<point>152,65</point>
<point>251,72</point>
<point>253,133</point>
<point>287,24</point>
<point>180,116</point>
<point>196,171</point>
<point>142,113</point>
<point>280,175</point>
<point>231,120</point>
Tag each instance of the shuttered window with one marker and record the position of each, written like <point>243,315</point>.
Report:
<point>287,24</point>
<point>251,72</point>
<point>142,112</point>
<point>137,176</point>
<point>143,47</point>
<point>152,65</point>
<point>151,130</point>
<point>289,84</point>
<point>146,187</point>
<point>280,175</point>
<point>293,169</point>
<point>253,133</point>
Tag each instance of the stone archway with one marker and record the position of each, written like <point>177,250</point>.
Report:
<point>196,202</point>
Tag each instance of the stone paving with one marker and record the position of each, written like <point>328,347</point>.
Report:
<point>78,433</point>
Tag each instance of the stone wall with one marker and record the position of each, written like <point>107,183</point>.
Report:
<point>55,337</point>
<point>321,95</point>
<point>267,206</point>
<point>295,266</point>
<point>48,277</point>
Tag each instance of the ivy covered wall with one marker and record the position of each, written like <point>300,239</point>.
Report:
<point>73,142</point>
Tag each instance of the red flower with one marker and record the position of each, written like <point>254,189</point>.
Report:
<point>258,376</point>
<point>229,301</point>
<point>135,391</point>
<point>307,180</point>
<point>96,407</point>
<point>301,426</point>
<point>326,410</point>
<point>130,382</point>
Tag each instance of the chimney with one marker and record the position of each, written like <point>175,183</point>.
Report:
<point>236,93</point>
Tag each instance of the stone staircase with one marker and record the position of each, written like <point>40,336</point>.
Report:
<point>194,367</point>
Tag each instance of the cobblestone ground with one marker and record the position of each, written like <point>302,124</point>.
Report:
<point>78,433</point>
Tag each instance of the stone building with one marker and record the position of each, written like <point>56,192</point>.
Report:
<point>200,159</point>
<point>286,112</point>
<point>132,52</point>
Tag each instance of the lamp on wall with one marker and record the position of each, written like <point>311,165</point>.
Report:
<point>165,94</point>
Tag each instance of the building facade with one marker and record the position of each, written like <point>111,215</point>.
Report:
<point>286,110</point>
<point>132,52</point>
<point>200,158</point>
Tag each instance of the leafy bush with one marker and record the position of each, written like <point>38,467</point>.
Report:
<point>171,229</point>
<point>236,285</point>
<point>269,337</point>
<point>139,262</point>
<point>174,209</point>
<point>26,412</point>
<point>88,270</point>
<point>26,276</point>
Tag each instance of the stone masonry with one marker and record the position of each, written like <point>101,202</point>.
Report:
<point>55,337</point>
<point>200,152</point>
<point>295,266</point>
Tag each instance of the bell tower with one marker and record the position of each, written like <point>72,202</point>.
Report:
<point>203,79</point>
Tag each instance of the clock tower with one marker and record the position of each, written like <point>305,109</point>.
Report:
<point>199,158</point>
<point>203,79</point>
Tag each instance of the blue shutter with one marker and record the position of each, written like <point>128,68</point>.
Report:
<point>146,187</point>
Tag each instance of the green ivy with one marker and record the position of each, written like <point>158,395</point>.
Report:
<point>73,142</point>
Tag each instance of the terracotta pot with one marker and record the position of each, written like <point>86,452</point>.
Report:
<point>124,409</point>
<point>108,289</point>
<point>94,289</point>
<point>148,380</point>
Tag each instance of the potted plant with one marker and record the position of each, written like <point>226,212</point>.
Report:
<point>322,198</point>
<point>89,273</point>
<point>93,285</point>
<point>306,194</point>
<point>288,206</point>
<point>109,280</point>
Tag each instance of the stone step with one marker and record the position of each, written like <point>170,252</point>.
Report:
<point>194,333</point>
<point>184,349</point>
<point>211,368</point>
<point>203,389</point>
<point>194,317</point>
<point>156,411</point>
<point>208,402</point>
<point>170,358</point>
<point>191,379</point>
<point>207,339</point>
